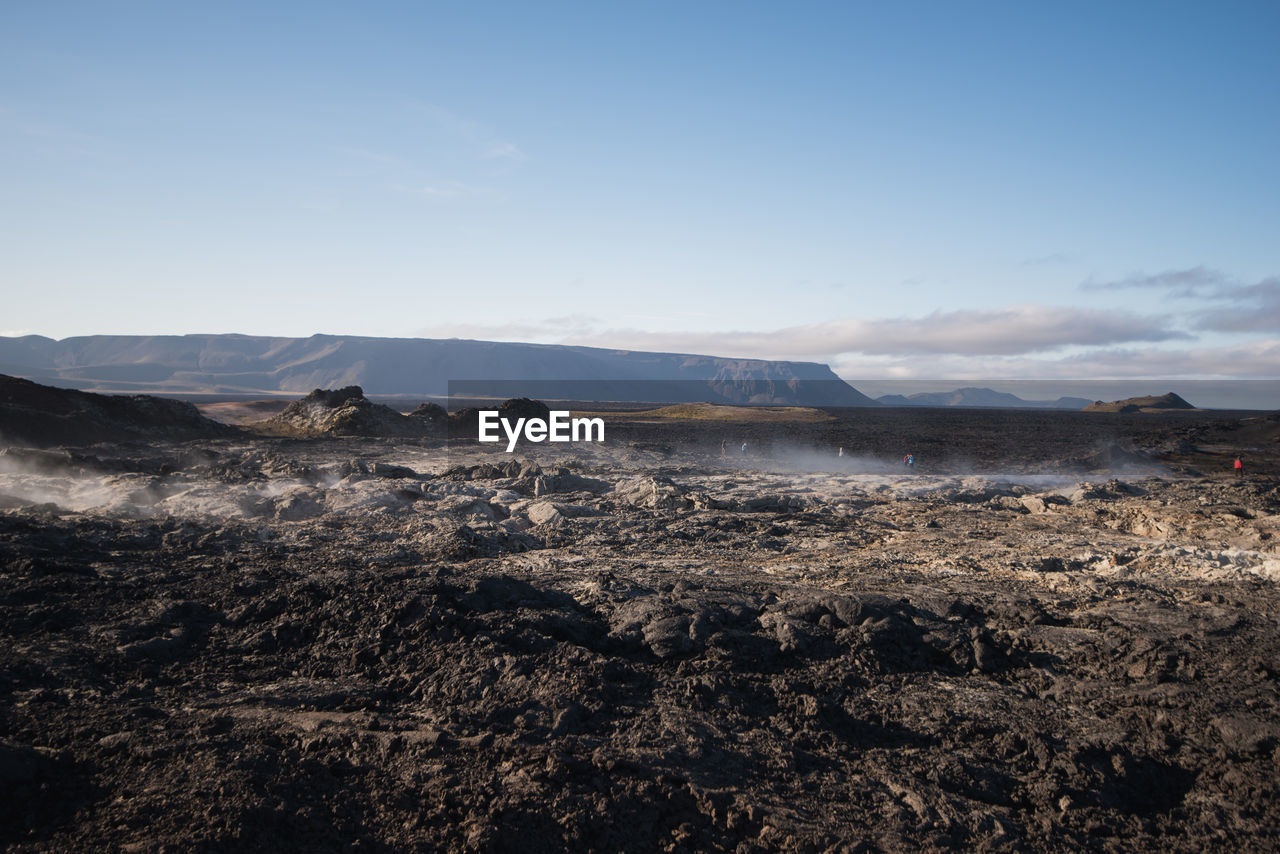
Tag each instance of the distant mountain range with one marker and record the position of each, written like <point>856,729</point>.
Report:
<point>249,365</point>
<point>980,398</point>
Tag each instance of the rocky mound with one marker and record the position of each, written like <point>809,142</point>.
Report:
<point>465,422</point>
<point>42,416</point>
<point>345,412</point>
<point>524,407</point>
<point>1150,403</point>
<point>432,413</point>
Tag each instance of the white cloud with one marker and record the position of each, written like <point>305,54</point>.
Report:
<point>1006,331</point>
<point>1256,308</point>
<point>1017,342</point>
<point>1252,360</point>
<point>1260,302</point>
<point>1193,281</point>
<point>1229,304</point>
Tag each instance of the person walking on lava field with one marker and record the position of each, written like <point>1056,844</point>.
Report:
<point>1239,466</point>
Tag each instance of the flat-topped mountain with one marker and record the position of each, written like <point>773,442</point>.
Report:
<point>1151,403</point>
<point>979,398</point>
<point>246,364</point>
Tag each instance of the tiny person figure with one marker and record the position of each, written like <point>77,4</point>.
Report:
<point>744,449</point>
<point>1239,466</point>
<point>722,446</point>
<point>841,454</point>
<point>911,461</point>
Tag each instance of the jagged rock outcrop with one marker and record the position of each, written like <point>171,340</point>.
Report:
<point>651,491</point>
<point>342,412</point>
<point>432,414</point>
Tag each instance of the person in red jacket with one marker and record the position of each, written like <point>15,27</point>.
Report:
<point>1239,464</point>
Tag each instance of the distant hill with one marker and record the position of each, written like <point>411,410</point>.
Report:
<point>425,367</point>
<point>980,398</point>
<point>1152,403</point>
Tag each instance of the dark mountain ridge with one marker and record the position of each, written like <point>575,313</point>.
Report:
<point>980,398</point>
<point>40,416</point>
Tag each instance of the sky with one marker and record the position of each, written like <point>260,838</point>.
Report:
<point>900,190</point>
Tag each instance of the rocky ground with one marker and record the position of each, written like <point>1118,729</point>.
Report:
<point>1045,637</point>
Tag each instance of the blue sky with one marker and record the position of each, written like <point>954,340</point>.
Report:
<point>976,190</point>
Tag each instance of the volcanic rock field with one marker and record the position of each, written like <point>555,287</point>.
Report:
<point>1058,631</point>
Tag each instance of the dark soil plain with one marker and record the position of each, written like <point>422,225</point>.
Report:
<point>1059,631</point>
